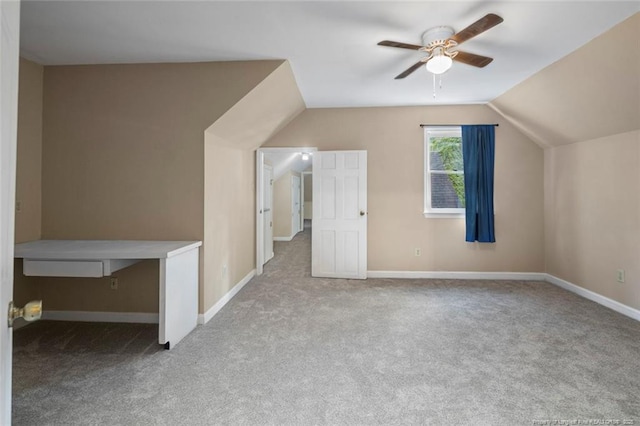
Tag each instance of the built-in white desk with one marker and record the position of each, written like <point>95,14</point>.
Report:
<point>178,310</point>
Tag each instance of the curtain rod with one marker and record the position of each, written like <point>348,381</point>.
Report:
<point>455,125</point>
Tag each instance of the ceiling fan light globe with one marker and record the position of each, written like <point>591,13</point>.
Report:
<point>439,64</point>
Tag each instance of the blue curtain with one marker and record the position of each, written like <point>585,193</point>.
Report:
<point>478,153</point>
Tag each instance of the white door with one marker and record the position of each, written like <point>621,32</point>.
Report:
<point>296,208</point>
<point>267,208</point>
<point>339,231</point>
<point>9,43</point>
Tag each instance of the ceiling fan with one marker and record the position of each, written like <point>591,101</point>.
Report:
<point>441,43</point>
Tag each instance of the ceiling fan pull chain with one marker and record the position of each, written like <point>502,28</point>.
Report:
<point>434,86</point>
<point>440,77</point>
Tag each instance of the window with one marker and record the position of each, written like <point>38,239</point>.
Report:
<point>444,172</point>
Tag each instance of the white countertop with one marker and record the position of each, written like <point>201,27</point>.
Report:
<point>101,249</point>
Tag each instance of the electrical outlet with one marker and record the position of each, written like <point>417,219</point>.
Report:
<point>114,283</point>
<point>417,252</point>
<point>620,275</point>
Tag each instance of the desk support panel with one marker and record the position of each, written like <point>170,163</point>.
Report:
<point>178,296</point>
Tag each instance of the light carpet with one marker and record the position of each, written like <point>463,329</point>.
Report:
<point>295,350</point>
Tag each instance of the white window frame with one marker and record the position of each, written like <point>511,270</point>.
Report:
<point>430,212</point>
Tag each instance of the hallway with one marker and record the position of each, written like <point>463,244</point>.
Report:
<point>291,257</point>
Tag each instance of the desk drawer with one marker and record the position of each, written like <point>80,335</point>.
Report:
<point>62,268</point>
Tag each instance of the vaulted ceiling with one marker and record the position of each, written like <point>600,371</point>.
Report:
<point>330,45</point>
<point>591,93</point>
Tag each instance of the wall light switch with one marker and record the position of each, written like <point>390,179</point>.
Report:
<point>620,275</point>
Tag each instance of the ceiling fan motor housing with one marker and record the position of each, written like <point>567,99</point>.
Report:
<point>437,36</point>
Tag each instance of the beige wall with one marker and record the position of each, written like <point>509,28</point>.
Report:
<point>308,210</point>
<point>137,291</point>
<point>29,153</point>
<point>123,145</point>
<point>394,142</point>
<point>586,109</point>
<point>282,206</point>
<point>123,158</point>
<point>230,211</point>
<point>230,184</point>
<point>308,196</point>
<point>28,172</point>
<point>308,187</point>
<point>127,151</point>
<point>592,215</point>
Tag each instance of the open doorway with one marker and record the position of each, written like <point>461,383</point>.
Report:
<point>339,213</point>
<point>280,198</point>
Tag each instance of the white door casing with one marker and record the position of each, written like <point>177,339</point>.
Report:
<point>339,231</point>
<point>267,209</point>
<point>259,215</point>
<point>9,48</point>
<point>295,205</point>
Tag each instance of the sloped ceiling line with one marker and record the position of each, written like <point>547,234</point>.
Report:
<point>522,127</point>
<point>262,112</point>
<point>591,93</point>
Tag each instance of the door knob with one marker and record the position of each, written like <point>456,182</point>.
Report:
<point>361,213</point>
<point>32,311</point>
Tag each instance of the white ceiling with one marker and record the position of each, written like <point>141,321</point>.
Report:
<point>284,161</point>
<point>331,45</point>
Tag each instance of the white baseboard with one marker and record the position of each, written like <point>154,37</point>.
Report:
<point>289,238</point>
<point>204,318</point>
<point>87,316</point>
<point>595,297</point>
<point>459,275</point>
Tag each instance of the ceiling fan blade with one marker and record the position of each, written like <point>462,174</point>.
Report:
<point>397,44</point>
<point>409,70</point>
<point>478,27</point>
<point>472,59</point>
